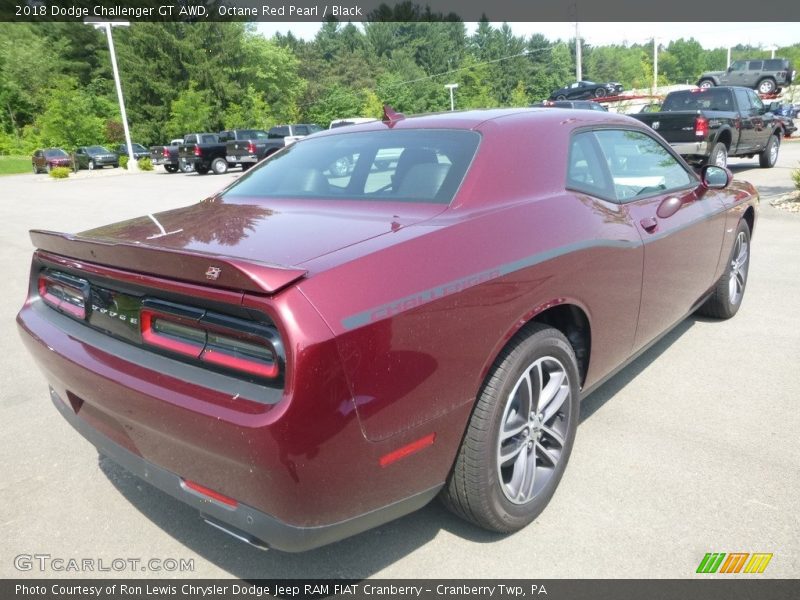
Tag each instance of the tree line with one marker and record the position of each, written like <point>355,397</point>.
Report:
<point>57,89</point>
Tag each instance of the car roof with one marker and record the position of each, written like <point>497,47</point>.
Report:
<point>480,119</point>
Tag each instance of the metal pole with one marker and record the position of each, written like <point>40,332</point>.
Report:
<point>578,59</point>
<point>729,58</point>
<point>452,101</point>
<point>655,65</point>
<point>132,166</point>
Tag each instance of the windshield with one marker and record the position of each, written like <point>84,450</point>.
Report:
<point>423,165</point>
<point>56,153</point>
<point>708,99</point>
<point>97,150</point>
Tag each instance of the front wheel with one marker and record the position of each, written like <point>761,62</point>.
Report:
<point>728,293</point>
<point>769,156</point>
<point>561,97</point>
<point>520,435</point>
<point>91,165</point>
<point>201,170</point>
<point>600,92</point>
<point>170,168</point>
<point>186,167</point>
<point>219,166</point>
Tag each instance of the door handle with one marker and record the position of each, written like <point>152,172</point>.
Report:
<point>649,224</point>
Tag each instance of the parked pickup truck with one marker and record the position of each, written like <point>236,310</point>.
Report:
<point>203,152</point>
<point>166,156</point>
<point>248,150</point>
<point>706,126</point>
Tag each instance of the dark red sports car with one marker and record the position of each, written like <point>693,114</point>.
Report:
<point>309,354</point>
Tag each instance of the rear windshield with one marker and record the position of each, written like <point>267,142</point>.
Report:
<point>55,153</point>
<point>708,99</point>
<point>422,165</point>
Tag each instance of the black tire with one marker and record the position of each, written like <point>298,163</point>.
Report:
<point>767,86</point>
<point>201,170</point>
<point>91,165</point>
<point>561,97</point>
<point>718,156</point>
<point>706,83</point>
<point>219,166</point>
<point>35,170</point>
<point>246,166</point>
<point>476,489</point>
<point>170,168</point>
<point>600,93</point>
<point>728,292</point>
<point>186,167</point>
<point>769,156</point>
<point>48,168</point>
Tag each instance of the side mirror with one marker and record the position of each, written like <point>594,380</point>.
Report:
<point>715,178</point>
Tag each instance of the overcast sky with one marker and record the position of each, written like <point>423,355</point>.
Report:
<point>710,35</point>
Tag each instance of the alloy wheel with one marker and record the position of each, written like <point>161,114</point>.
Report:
<point>739,264</point>
<point>533,429</point>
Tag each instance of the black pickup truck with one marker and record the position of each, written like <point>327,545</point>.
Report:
<point>706,126</point>
<point>166,156</point>
<point>203,152</point>
<point>248,150</point>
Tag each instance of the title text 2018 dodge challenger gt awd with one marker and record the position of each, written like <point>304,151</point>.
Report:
<point>310,353</point>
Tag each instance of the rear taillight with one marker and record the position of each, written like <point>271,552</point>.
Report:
<point>197,151</point>
<point>700,127</point>
<point>251,148</point>
<point>64,292</point>
<point>226,342</point>
<point>165,151</point>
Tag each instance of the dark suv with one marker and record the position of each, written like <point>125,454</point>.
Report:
<point>765,75</point>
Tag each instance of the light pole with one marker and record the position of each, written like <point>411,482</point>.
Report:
<point>107,25</point>
<point>451,87</point>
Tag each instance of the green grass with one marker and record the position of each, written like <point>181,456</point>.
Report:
<point>11,165</point>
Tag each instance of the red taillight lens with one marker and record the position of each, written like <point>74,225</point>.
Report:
<point>197,151</point>
<point>227,343</point>
<point>700,127</point>
<point>65,293</point>
<point>165,150</point>
<point>251,148</point>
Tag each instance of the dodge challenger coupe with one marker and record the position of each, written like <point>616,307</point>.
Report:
<point>308,354</point>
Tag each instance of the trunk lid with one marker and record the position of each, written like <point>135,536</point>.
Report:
<point>250,245</point>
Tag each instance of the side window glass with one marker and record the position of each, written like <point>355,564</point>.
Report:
<point>738,65</point>
<point>639,165</point>
<point>301,130</point>
<point>585,170</point>
<point>755,100</point>
<point>755,65</point>
<point>743,99</point>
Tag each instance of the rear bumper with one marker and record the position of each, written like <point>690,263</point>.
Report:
<point>242,521</point>
<point>691,148</point>
<point>249,158</point>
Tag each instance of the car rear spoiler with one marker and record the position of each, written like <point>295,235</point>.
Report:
<point>194,267</point>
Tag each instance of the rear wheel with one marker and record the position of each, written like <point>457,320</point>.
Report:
<point>769,156</point>
<point>600,92</point>
<point>767,86</point>
<point>219,166</point>
<point>170,168</point>
<point>718,156</point>
<point>201,170</point>
<point>186,167</point>
<point>520,435</point>
<point>561,97</point>
<point>727,296</point>
<point>706,83</point>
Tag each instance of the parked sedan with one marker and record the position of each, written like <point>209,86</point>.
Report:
<point>139,151</point>
<point>95,157</point>
<point>586,89</point>
<point>47,159</point>
<point>309,354</point>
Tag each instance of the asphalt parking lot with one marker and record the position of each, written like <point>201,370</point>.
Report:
<point>691,449</point>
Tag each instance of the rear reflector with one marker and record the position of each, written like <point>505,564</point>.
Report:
<point>65,293</point>
<point>407,450</point>
<point>209,493</point>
